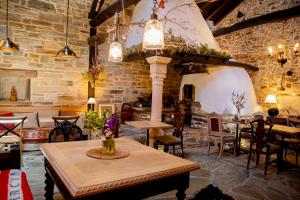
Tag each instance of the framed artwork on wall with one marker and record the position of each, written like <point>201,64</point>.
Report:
<point>109,107</point>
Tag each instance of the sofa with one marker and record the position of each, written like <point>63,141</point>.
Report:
<point>39,122</point>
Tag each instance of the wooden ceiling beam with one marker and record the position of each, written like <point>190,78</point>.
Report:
<point>263,19</point>
<point>95,8</point>
<point>110,11</point>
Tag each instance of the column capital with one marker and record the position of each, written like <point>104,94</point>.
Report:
<point>158,60</point>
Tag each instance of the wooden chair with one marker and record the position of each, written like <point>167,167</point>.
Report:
<point>126,113</point>
<point>260,143</point>
<point>217,134</point>
<point>245,132</point>
<point>66,130</point>
<point>177,137</point>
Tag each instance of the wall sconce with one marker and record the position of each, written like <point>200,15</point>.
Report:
<point>291,77</point>
<point>91,104</point>
<point>280,55</point>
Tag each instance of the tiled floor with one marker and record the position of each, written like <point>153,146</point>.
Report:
<point>228,173</point>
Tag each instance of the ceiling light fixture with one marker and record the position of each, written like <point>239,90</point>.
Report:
<point>154,31</point>
<point>66,52</point>
<point>115,49</point>
<point>7,44</point>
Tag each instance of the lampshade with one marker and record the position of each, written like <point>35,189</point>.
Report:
<point>66,52</point>
<point>91,101</point>
<point>153,34</point>
<point>115,52</point>
<point>271,99</point>
<point>8,45</point>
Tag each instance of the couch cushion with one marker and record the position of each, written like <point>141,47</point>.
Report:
<point>45,118</point>
<point>14,185</point>
<point>31,121</point>
<point>9,114</point>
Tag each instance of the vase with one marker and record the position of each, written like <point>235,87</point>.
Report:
<point>108,146</point>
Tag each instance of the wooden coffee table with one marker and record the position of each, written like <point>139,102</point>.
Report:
<point>145,172</point>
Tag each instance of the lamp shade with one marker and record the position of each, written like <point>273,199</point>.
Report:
<point>66,52</point>
<point>91,101</point>
<point>153,34</point>
<point>8,45</point>
<point>115,52</point>
<point>271,99</point>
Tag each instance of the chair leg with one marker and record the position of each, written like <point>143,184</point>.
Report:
<point>208,147</point>
<point>266,163</point>
<point>249,158</point>
<point>286,149</point>
<point>257,158</point>
<point>221,149</point>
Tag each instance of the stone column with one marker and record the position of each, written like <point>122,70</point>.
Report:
<point>158,71</point>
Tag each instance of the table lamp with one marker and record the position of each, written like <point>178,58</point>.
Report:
<point>272,111</point>
<point>91,104</point>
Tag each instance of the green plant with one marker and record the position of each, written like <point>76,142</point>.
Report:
<point>94,121</point>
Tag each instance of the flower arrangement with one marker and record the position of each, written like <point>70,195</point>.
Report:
<point>93,73</point>
<point>238,101</point>
<point>108,145</point>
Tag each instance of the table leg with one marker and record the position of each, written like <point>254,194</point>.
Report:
<point>237,149</point>
<point>49,187</point>
<point>148,135</point>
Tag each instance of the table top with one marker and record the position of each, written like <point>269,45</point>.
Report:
<point>285,129</point>
<point>83,175</point>
<point>146,124</point>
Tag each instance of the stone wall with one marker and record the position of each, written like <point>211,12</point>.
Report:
<point>251,46</point>
<point>38,27</point>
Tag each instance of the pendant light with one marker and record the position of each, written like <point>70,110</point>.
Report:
<point>66,52</point>
<point>154,32</point>
<point>115,49</point>
<point>7,44</point>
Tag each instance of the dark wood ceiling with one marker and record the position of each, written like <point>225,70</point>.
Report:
<point>213,10</point>
<point>216,10</point>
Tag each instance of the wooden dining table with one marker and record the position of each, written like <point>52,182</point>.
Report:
<point>145,172</point>
<point>147,124</point>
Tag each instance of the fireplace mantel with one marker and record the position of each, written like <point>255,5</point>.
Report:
<point>17,73</point>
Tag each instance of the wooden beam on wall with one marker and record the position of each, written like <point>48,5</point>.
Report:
<point>263,19</point>
<point>110,11</point>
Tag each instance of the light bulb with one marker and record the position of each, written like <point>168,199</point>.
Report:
<point>153,35</point>
<point>115,52</point>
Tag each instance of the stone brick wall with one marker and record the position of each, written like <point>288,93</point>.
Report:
<point>38,27</point>
<point>251,46</point>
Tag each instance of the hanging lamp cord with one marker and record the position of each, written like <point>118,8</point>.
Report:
<point>7,18</point>
<point>67,25</point>
<point>154,8</point>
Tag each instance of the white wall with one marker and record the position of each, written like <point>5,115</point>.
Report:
<point>214,90</point>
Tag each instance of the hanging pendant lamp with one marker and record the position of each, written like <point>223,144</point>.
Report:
<point>7,44</point>
<point>66,52</point>
<point>115,53</point>
<point>153,33</point>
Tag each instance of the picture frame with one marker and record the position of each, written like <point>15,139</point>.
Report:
<point>109,107</point>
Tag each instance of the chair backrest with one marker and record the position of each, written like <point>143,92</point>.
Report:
<point>65,131</point>
<point>261,133</point>
<point>215,127</point>
<point>178,122</point>
<point>126,112</point>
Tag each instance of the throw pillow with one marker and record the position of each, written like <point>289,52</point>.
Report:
<point>9,114</point>
<point>31,121</point>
